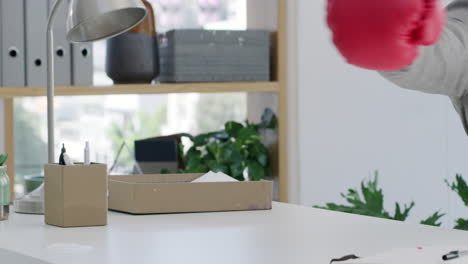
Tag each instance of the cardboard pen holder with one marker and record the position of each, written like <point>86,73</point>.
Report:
<point>75,196</point>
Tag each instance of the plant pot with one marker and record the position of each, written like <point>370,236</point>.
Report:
<point>4,194</point>
<point>133,57</point>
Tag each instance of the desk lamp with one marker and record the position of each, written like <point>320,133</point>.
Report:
<point>88,20</point>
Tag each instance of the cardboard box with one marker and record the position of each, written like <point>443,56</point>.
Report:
<point>75,196</point>
<point>175,193</point>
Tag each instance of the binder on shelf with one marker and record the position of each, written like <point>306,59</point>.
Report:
<point>12,43</point>
<point>36,12</point>
<point>1,48</point>
<point>82,64</point>
<point>62,47</point>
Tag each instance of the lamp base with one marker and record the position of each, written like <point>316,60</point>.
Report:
<point>32,203</point>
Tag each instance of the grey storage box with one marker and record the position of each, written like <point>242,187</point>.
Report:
<point>215,56</point>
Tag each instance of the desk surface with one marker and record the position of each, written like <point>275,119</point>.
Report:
<point>286,234</point>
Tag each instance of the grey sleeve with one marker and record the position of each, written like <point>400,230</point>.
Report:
<point>441,68</point>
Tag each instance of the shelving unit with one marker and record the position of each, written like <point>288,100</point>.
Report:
<point>260,87</point>
<point>277,86</point>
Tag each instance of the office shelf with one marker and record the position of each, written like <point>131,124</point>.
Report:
<point>255,106</point>
<point>9,92</point>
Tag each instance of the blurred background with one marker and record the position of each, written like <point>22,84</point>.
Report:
<point>109,121</point>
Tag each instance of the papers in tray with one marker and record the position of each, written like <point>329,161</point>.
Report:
<point>215,177</point>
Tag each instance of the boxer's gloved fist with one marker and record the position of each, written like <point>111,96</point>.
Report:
<point>384,35</point>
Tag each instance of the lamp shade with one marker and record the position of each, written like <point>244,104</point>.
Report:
<point>91,20</point>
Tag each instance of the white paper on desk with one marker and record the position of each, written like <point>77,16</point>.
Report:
<point>215,177</point>
<point>419,255</point>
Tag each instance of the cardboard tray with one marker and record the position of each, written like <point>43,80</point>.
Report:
<point>175,193</point>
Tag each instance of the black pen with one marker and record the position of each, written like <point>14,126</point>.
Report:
<point>454,255</point>
<point>61,158</point>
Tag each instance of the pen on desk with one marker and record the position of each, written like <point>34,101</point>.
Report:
<point>86,154</point>
<point>454,255</point>
<point>64,158</point>
<point>61,158</point>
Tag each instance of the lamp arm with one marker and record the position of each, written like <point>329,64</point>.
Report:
<point>51,82</point>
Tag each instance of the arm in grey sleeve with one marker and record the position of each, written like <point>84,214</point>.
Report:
<point>441,68</point>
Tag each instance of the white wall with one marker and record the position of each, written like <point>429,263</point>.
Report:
<point>352,122</point>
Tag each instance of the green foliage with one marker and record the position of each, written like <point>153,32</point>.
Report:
<point>402,215</point>
<point>461,188</point>
<point>372,204</point>
<point>235,149</point>
<point>269,120</point>
<point>3,159</point>
<point>433,220</point>
<point>372,201</point>
<point>462,224</point>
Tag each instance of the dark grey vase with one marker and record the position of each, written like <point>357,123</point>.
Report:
<point>132,58</point>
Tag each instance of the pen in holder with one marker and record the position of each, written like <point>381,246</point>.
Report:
<point>76,195</point>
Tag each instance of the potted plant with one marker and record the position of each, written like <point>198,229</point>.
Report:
<point>4,188</point>
<point>237,150</point>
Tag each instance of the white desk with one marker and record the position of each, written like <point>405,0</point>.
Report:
<point>287,234</point>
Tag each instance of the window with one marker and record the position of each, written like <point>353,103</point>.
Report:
<point>108,121</point>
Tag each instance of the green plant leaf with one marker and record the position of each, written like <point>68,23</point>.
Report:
<point>258,151</point>
<point>203,139</point>
<point>194,162</point>
<point>402,215</point>
<point>200,140</point>
<point>433,220</point>
<point>232,154</point>
<point>233,150</point>
<point>248,135</point>
<point>215,150</point>
<point>233,128</point>
<point>3,159</point>
<point>193,153</point>
<point>237,170</point>
<point>371,204</point>
<point>461,187</point>
<point>255,171</point>
<point>462,224</point>
<point>269,119</point>
<point>373,196</point>
<point>197,168</point>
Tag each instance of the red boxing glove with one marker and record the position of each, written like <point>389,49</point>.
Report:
<point>384,35</point>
